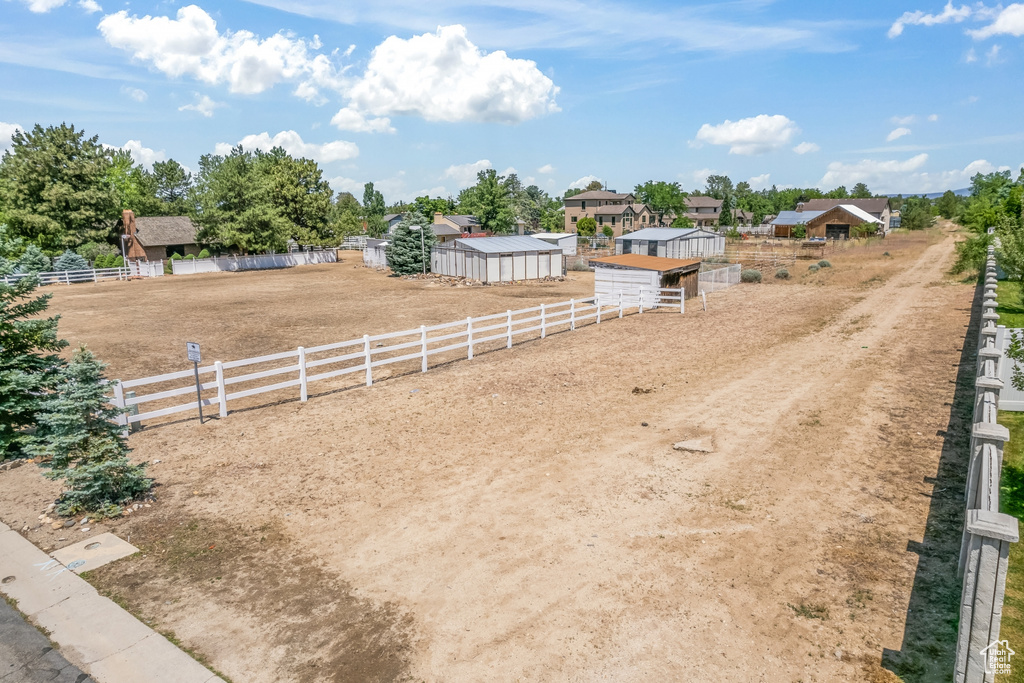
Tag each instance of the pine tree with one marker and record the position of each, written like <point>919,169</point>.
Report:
<point>28,362</point>
<point>69,260</point>
<point>406,254</point>
<point>80,442</point>
<point>33,261</point>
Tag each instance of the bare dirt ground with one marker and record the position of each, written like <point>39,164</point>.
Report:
<point>512,517</point>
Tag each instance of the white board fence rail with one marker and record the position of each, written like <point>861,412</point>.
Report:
<point>228,381</point>
<point>71,277</point>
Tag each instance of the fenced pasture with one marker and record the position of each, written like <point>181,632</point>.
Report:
<point>71,277</point>
<point>414,349</point>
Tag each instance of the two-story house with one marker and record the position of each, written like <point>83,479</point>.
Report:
<point>704,211</point>
<point>620,212</point>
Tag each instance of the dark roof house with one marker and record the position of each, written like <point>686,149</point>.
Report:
<point>154,238</point>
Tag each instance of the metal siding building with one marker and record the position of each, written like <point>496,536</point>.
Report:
<point>497,259</point>
<point>566,241</point>
<point>675,243</point>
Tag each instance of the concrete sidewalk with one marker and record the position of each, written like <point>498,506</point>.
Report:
<point>92,632</point>
<point>26,656</point>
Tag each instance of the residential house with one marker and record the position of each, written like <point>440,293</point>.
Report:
<point>392,219</point>
<point>586,203</point>
<point>877,207</point>
<point>444,233</point>
<point>834,223</point>
<point>156,238</point>
<point>623,218</point>
<point>461,222</point>
<point>703,211</point>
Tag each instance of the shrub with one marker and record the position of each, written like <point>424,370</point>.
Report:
<point>92,251</point>
<point>205,253</point>
<point>608,231</point>
<point>800,231</point>
<point>580,265</point>
<point>886,254</point>
<point>824,264</point>
<point>750,275</point>
<point>190,257</point>
<point>102,260</point>
<point>813,268</point>
<point>733,234</point>
<point>175,256</point>
<point>33,261</point>
<point>781,274</point>
<point>117,261</point>
<point>168,268</point>
<point>69,260</point>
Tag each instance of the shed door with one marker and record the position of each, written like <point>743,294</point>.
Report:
<point>652,248</point>
<point>834,231</point>
<point>505,272</point>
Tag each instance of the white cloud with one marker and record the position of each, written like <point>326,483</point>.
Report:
<point>464,175</point>
<point>903,120</point>
<point>933,117</point>
<point>43,6</point>
<point>760,182</point>
<point>191,45</point>
<point>351,120</point>
<point>546,169</point>
<point>203,104</point>
<point>136,94</point>
<point>442,76</point>
<point>140,154</point>
<point>292,142</point>
<point>904,176</point>
<point>90,6</point>
<point>918,18</point>
<point>1009,21</point>
<point>754,135</point>
<point>343,184</point>
<point>897,134</point>
<point>992,56</point>
<point>971,57</point>
<point>806,148</point>
<point>580,183</point>
<point>700,176</point>
<point>6,133</point>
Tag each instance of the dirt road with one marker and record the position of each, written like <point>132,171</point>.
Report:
<point>513,518</point>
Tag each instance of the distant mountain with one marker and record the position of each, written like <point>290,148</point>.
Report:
<point>965,192</point>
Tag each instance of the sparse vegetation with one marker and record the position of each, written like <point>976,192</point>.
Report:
<point>810,610</point>
<point>781,274</point>
<point>824,263</point>
<point>750,275</point>
<point>813,268</point>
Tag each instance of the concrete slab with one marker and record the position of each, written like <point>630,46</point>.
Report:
<point>33,578</point>
<point>152,659</point>
<point>695,445</point>
<point>90,628</point>
<point>93,552</point>
<point>4,527</point>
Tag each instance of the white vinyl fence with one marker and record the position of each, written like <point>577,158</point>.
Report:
<point>375,256</point>
<point>719,278</point>
<point>233,380</point>
<point>70,277</point>
<point>252,262</point>
<point>987,533</point>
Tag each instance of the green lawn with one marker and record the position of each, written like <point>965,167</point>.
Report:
<point>1011,502</point>
<point>1011,307</point>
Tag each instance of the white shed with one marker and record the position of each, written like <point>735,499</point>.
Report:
<point>497,259</point>
<point>671,243</point>
<point>566,241</point>
<point>627,273</point>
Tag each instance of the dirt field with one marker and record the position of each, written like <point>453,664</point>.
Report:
<point>523,516</point>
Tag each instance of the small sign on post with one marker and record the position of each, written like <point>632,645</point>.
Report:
<point>192,349</point>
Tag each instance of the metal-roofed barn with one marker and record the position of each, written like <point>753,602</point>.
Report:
<point>677,243</point>
<point>628,273</point>
<point>497,259</point>
<point>566,241</point>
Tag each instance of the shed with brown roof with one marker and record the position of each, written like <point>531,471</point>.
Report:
<point>636,276</point>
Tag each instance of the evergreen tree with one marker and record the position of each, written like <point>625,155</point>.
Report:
<point>54,189</point>
<point>33,261</point>
<point>134,187</point>
<point>80,442</point>
<point>28,360</point>
<point>173,184</point>
<point>406,254</point>
<point>69,260</point>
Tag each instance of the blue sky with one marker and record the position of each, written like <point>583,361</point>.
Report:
<point>416,96</point>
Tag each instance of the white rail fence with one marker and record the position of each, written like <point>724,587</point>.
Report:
<point>987,533</point>
<point>375,256</point>
<point>233,380</point>
<point>70,277</point>
<point>252,262</point>
<point>719,278</point>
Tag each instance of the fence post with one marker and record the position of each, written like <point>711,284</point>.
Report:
<point>682,299</point>
<point>704,299</point>
<point>469,336</point>
<point>222,394</point>
<point>509,344</point>
<point>303,388</point>
<point>368,360</point>
<point>423,346</point>
<point>597,303</point>
<point>122,419</point>
<point>133,409</point>
<point>94,275</point>
<point>620,303</point>
<point>984,588</point>
<point>641,301</point>
<point>572,314</point>
<point>67,277</point>
<point>543,322</point>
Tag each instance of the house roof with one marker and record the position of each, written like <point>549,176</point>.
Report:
<point>598,194</point>
<point>552,235</point>
<point>703,202</point>
<point>504,245</point>
<point>871,205</point>
<point>857,211</point>
<point>388,217</point>
<point>443,230</point>
<point>643,262</point>
<point>660,234</point>
<point>161,231</point>
<point>464,220</point>
<point>612,209</point>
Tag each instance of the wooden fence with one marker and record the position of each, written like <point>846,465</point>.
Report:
<point>233,380</point>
